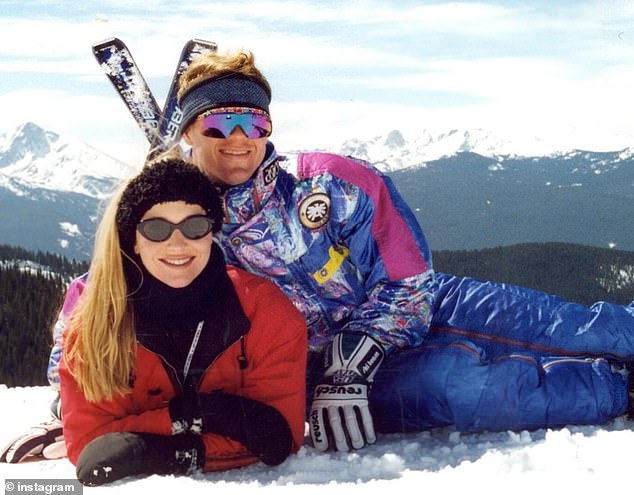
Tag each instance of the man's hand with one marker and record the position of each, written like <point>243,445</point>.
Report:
<point>340,416</point>
<point>46,440</point>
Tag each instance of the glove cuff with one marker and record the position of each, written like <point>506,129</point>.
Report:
<point>353,358</point>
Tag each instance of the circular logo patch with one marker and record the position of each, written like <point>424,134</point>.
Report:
<point>314,211</point>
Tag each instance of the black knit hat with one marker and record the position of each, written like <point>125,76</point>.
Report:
<point>162,182</point>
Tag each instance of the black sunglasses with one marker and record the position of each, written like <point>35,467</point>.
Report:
<point>159,230</point>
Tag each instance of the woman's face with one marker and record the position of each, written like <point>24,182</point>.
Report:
<point>178,260</point>
<point>230,161</point>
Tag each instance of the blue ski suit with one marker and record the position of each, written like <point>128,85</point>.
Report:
<point>337,238</point>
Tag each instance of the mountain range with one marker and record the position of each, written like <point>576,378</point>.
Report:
<point>468,189</point>
<point>50,190</point>
<point>469,201</point>
<point>472,189</point>
<point>393,151</point>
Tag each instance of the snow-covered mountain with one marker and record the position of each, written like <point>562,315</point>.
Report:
<point>32,158</point>
<point>50,190</point>
<point>473,189</point>
<point>470,201</point>
<point>393,151</point>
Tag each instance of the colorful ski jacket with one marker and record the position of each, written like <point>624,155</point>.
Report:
<point>266,364</point>
<point>340,242</point>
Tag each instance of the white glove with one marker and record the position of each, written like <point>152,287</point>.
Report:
<point>340,412</point>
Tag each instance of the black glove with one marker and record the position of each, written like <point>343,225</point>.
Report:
<point>259,427</point>
<point>185,414</point>
<point>116,455</point>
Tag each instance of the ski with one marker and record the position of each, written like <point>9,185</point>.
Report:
<point>159,127</point>
<point>172,116</point>
<point>120,68</point>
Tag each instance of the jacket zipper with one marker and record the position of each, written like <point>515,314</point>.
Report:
<point>242,365</point>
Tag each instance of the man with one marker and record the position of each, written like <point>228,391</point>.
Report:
<point>341,243</point>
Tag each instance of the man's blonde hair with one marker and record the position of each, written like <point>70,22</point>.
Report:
<point>212,65</point>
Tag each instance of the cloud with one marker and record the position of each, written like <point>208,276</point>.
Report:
<point>340,69</point>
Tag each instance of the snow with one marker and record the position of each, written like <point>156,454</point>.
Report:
<point>616,277</point>
<point>578,459</point>
<point>26,266</point>
<point>395,151</point>
<point>70,229</point>
<point>31,157</point>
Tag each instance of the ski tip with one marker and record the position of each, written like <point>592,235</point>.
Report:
<point>109,42</point>
<point>202,42</point>
<point>199,44</point>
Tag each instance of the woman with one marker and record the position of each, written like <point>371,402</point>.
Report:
<point>173,361</point>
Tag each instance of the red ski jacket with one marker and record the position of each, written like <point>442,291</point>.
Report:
<point>275,351</point>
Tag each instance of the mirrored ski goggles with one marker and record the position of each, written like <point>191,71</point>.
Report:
<point>220,122</point>
<point>159,230</point>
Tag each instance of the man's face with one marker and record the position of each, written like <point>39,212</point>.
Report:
<point>230,161</point>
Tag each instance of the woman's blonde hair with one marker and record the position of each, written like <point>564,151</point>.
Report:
<point>211,65</point>
<point>101,342</point>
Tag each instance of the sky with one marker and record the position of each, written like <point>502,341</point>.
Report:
<point>561,71</point>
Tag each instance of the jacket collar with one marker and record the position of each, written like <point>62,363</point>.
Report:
<point>243,201</point>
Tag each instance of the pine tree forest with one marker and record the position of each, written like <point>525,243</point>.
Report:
<point>32,286</point>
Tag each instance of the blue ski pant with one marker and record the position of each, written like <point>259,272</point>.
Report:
<point>502,357</point>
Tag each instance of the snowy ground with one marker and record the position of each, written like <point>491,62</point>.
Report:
<point>576,459</point>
